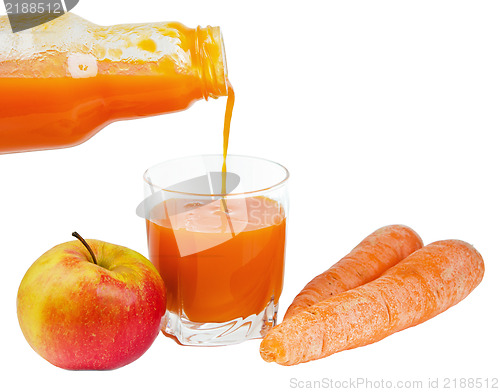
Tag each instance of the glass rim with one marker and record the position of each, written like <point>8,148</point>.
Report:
<point>277,185</point>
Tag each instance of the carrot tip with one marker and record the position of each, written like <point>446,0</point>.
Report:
<point>271,349</point>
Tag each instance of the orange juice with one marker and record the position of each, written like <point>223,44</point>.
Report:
<point>213,271</point>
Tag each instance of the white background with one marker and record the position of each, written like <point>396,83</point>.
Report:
<point>383,111</point>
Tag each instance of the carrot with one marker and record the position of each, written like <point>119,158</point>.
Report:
<point>374,255</point>
<point>426,283</point>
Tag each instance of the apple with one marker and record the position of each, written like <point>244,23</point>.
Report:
<point>91,305</point>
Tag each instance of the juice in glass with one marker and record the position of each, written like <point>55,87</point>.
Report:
<point>221,255</point>
<point>214,274</point>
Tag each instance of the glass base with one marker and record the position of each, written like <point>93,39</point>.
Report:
<point>220,334</point>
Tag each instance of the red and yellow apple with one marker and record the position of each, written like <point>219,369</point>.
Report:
<point>95,308</point>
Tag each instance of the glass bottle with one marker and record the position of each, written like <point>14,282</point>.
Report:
<point>63,81</point>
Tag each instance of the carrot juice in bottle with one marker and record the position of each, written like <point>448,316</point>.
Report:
<point>63,81</point>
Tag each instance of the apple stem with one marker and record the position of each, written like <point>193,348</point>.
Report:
<point>75,234</point>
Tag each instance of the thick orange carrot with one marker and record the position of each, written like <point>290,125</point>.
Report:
<point>378,252</point>
<point>426,283</point>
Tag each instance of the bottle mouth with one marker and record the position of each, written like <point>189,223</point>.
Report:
<point>210,46</point>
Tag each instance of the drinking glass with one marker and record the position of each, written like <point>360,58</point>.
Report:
<point>217,239</point>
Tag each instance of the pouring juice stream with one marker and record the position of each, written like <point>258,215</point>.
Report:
<point>227,126</point>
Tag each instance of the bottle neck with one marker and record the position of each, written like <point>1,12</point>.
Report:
<point>209,48</point>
